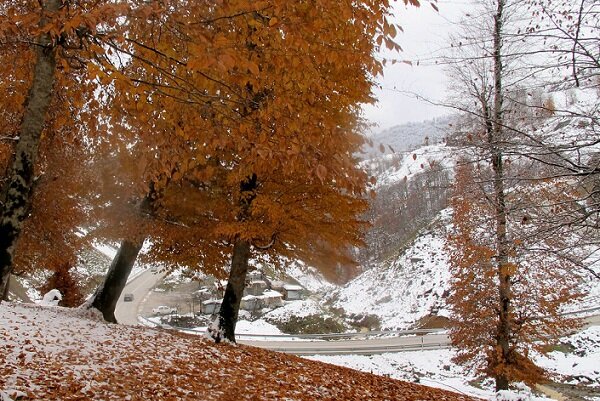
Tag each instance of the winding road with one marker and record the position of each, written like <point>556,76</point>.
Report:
<point>140,286</point>
<point>357,347</point>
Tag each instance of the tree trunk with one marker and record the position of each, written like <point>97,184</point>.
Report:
<point>5,292</point>
<point>228,314</point>
<point>230,307</point>
<point>503,333</point>
<point>106,296</point>
<point>16,194</point>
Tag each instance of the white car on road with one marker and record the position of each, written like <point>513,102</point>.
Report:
<point>164,310</point>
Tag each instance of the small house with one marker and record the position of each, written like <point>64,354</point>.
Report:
<point>293,292</point>
<point>255,287</point>
<point>211,306</point>
<point>250,303</point>
<point>272,299</point>
<point>277,285</point>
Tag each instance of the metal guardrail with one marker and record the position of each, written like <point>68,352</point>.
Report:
<point>365,350</point>
<point>397,333</point>
<point>577,312</point>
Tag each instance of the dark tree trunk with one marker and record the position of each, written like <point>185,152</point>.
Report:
<point>230,307</point>
<point>16,194</point>
<point>108,293</point>
<point>228,314</point>
<point>5,292</point>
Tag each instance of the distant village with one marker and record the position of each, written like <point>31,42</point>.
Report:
<point>260,293</point>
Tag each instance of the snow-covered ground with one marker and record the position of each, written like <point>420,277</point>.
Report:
<point>309,277</point>
<point>405,290</point>
<point>302,308</point>
<point>418,161</point>
<point>435,367</point>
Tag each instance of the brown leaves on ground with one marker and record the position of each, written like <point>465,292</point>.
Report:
<point>58,354</point>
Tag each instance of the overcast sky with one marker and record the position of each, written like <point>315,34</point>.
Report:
<point>425,35</point>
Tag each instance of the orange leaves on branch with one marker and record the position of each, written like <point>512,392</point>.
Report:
<point>191,102</point>
<point>539,283</point>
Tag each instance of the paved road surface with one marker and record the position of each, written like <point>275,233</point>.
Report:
<point>140,286</point>
<point>364,347</point>
<point>127,313</point>
<point>592,321</point>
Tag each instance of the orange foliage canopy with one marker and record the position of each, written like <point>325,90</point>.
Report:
<point>181,104</point>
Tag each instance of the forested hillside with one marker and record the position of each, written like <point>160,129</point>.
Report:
<point>409,136</point>
<point>226,144</point>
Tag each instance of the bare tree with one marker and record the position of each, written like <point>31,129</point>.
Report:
<point>491,67</point>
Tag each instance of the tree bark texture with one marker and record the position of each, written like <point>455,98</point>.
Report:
<point>230,307</point>
<point>108,293</point>
<point>5,292</point>
<point>503,332</point>
<point>16,194</point>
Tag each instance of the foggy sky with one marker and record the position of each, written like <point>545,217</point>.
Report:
<point>425,35</point>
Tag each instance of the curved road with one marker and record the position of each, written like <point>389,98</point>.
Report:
<point>140,286</point>
<point>357,347</point>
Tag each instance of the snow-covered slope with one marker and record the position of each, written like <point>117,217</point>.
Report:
<point>416,162</point>
<point>410,135</point>
<point>413,284</point>
<point>59,354</point>
<point>405,289</point>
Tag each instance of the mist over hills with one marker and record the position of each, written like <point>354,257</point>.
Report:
<point>409,136</point>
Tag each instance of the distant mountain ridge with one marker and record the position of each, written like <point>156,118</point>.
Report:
<point>409,136</point>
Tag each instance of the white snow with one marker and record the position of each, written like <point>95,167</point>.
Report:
<point>256,327</point>
<point>435,367</point>
<point>51,298</point>
<point>418,161</point>
<point>580,365</point>
<point>431,368</point>
<point>302,308</point>
<point>309,277</point>
<point>404,290</point>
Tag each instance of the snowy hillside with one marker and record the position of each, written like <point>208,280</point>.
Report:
<point>404,166</point>
<point>404,289</point>
<point>409,136</point>
<point>410,287</point>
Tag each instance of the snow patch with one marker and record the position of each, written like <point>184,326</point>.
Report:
<point>51,298</point>
<point>404,290</point>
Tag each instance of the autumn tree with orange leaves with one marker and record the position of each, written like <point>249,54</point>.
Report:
<point>217,132</point>
<point>53,39</point>
<point>541,282</point>
<point>267,162</point>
